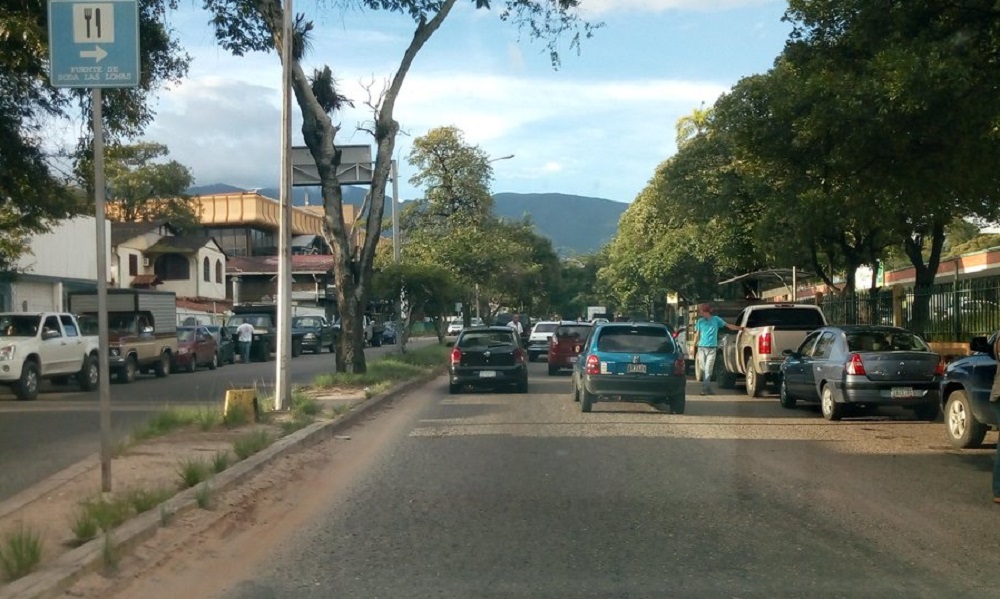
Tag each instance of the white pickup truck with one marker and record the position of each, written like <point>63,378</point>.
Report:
<point>45,345</point>
<point>756,351</point>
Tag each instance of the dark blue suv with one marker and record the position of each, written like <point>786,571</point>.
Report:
<point>965,394</point>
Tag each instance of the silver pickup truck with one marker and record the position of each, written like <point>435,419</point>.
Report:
<point>756,352</point>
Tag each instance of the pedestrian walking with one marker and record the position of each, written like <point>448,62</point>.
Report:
<point>515,323</point>
<point>995,404</point>
<point>244,336</point>
<point>706,343</point>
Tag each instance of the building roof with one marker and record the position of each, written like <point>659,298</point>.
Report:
<point>122,232</point>
<point>260,265</point>
<point>187,244</point>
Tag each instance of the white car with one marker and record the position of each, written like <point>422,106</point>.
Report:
<point>538,340</point>
<point>454,326</point>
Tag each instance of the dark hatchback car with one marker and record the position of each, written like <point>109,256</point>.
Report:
<point>862,366</point>
<point>317,333</point>
<point>965,394</point>
<point>488,357</point>
<point>631,362</point>
<point>225,345</point>
<point>566,343</point>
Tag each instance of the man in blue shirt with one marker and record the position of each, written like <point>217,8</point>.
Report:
<point>706,342</point>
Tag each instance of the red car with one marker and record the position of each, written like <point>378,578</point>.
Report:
<point>195,347</point>
<point>566,343</point>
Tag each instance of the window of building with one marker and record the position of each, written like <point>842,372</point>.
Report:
<point>218,271</point>
<point>207,270</point>
<point>133,265</point>
<point>172,267</point>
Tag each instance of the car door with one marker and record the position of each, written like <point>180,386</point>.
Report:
<point>819,363</point>
<point>204,344</point>
<point>56,351</point>
<point>796,363</point>
<point>74,343</point>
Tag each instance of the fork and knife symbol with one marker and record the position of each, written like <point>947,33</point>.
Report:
<point>95,14</point>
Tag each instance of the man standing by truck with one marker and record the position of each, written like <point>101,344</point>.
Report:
<point>244,334</point>
<point>706,343</point>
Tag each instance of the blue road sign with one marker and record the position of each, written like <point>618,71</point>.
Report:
<point>94,43</point>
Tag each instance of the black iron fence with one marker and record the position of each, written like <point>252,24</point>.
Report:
<point>956,311</point>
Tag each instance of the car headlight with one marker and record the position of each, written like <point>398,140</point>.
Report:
<point>7,352</point>
<point>182,351</point>
<point>115,351</point>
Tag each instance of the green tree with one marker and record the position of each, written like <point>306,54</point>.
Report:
<point>455,176</point>
<point>429,291</point>
<point>256,25</point>
<point>32,192</point>
<point>144,188</point>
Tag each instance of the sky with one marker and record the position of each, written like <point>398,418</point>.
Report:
<point>597,126</point>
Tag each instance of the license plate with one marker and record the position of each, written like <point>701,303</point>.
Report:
<point>636,368</point>
<point>572,359</point>
<point>902,392</point>
<point>487,374</point>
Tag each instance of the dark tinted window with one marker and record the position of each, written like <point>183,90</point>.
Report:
<point>486,339</point>
<point>786,317</point>
<point>885,341</point>
<point>639,340</point>
<point>573,330</point>
<point>18,326</point>
<point>825,346</point>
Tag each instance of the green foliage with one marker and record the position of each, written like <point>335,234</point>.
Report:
<point>456,178</point>
<point>192,471</point>
<point>100,513</point>
<point>237,415</point>
<point>110,553</point>
<point>167,421</point>
<point>220,461</point>
<point>84,525</point>
<point>142,187</point>
<point>21,552</point>
<point>976,244</point>
<point>250,443</point>
<point>142,500</point>
<point>203,496</point>
<point>303,405</point>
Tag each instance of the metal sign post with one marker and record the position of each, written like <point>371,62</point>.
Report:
<point>95,45</point>
<point>282,382</point>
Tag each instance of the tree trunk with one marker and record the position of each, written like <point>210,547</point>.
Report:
<point>925,274</point>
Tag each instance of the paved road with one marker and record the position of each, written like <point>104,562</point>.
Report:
<point>506,495</point>
<point>40,438</point>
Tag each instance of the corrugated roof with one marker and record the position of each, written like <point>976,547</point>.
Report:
<point>186,244</point>
<point>122,232</point>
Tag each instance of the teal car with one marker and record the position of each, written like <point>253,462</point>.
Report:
<point>631,362</point>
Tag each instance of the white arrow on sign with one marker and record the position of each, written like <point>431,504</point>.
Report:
<point>98,54</point>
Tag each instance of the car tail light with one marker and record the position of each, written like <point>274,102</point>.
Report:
<point>764,344</point>
<point>519,356</point>
<point>680,367</point>
<point>855,365</point>
<point>939,369</point>
<point>593,365</point>
<point>456,356</point>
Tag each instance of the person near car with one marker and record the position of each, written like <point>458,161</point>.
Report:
<point>515,323</point>
<point>995,404</point>
<point>244,335</point>
<point>706,343</point>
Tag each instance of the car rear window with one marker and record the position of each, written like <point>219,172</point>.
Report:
<point>638,340</point>
<point>545,327</point>
<point>579,331</point>
<point>875,341</point>
<point>486,339</point>
<point>786,318</point>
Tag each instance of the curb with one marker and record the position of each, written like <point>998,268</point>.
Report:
<point>71,566</point>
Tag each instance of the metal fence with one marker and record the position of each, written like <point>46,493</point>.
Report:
<point>957,311</point>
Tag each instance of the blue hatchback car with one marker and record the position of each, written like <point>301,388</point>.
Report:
<point>965,394</point>
<point>631,362</point>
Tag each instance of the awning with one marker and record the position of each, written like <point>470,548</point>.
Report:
<point>143,281</point>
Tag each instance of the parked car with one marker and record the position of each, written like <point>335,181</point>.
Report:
<point>631,362</point>
<point>488,357</point>
<point>454,326</point>
<point>862,365</point>
<point>538,339</point>
<point>317,333</point>
<point>565,344</point>
<point>390,334</point>
<point>225,344</point>
<point>195,347</point>
<point>965,394</point>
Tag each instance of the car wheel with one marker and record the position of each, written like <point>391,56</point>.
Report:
<point>576,392</point>
<point>677,404</point>
<point>193,364</point>
<point>831,409</point>
<point>726,379</point>
<point>786,398</point>
<point>214,363</point>
<point>963,429</point>
<point>754,383</point>
<point>90,375</point>
<point>162,367</point>
<point>128,372</point>
<point>26,388</point>
<point>586,400</point>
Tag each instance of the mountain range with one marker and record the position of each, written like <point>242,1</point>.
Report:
<point>575,224</point>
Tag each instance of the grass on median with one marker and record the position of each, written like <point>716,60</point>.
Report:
<point>20,552</point>
<point>391,369</point>
<point>250,443</point>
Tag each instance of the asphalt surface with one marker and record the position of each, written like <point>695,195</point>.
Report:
<point>42,437</point>
<point>507,495</point>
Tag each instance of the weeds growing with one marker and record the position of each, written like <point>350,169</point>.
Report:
<point>204,496</point>
<point>220,461</point>
<point>250,443</point>
<point>192,471</point>
<point>21,552</point>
